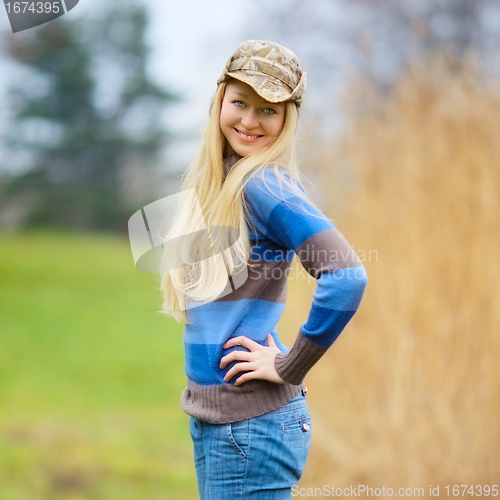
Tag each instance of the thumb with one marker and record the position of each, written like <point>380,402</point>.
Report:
<point>270,341</point>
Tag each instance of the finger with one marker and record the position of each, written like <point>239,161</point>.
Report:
<point>244,341</point>
<point>270,341</point>
<point>235,356</point>
<point>246,377</point>
<point>237,368</point>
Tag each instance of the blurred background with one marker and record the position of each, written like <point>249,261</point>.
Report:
<point>101,111</point>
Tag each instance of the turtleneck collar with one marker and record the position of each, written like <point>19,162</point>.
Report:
<point>229,161</point>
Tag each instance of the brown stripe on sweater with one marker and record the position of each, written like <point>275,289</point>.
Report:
<point>303,355</point>
<point>326,251</point>
<point>221,404</point>
<point>267,281</point>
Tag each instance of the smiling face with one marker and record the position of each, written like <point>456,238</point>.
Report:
<point>248,121</point>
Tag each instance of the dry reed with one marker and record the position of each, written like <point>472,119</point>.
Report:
<point>409,395</point>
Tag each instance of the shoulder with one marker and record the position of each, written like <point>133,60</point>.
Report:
<point>278,200</point>
<point>271,194</point>
<point>272,185</point>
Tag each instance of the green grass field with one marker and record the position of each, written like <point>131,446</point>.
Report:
<point>90,375</point>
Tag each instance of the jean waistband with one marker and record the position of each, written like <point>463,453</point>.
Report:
<point>297,402</point>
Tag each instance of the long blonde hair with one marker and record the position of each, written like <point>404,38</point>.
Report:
<point>197,278</point>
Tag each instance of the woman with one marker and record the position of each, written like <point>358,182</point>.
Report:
<point>249,421</point>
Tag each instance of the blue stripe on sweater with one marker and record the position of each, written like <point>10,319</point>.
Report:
<point>336,299</point>
<point>302,225</point>
<point>341,289</point>
<point>275,207</point>
<point>198,355</point>
<point>214,322</point>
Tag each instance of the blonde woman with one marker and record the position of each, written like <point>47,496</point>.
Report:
<point>250,423</point>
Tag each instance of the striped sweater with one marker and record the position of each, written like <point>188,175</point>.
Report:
<point>281,224</point>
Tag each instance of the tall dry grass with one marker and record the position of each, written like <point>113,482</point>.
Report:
<point>409,395</point>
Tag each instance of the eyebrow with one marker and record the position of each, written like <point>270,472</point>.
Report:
<point>239,92</point>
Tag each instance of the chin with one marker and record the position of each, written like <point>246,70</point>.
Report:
<point>243,151</point>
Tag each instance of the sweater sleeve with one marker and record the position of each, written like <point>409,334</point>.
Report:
<point>293,223</point>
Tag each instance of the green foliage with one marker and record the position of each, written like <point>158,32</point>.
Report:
<point>90,375</point>
<point>86,112</point>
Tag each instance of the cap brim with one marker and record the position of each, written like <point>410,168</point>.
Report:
<point>269,88</point>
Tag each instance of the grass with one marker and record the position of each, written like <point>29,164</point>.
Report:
<point>90,375</point>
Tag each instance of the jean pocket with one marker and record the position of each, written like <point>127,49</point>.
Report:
<point>297,431</point>
<point>238,435</point>
<point>195,429</point>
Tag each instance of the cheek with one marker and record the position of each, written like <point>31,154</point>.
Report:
<point>226,115</point>
<point>277,126</point>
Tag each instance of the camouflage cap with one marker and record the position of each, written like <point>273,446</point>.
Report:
<point>273,71</point>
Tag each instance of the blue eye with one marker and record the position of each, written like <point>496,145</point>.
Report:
<point>269,111</point>
<point>239,103</point>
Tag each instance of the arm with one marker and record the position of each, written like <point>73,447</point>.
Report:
<point>327,256</point>
<point>341,279</point>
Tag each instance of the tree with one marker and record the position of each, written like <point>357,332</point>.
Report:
<point>87,111</point>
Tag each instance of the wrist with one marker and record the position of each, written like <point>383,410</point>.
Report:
<point>303,355</point>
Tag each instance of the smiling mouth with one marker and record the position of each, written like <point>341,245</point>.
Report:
<point>247,137</point>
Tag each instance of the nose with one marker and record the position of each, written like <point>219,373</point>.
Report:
<point>250,120</point>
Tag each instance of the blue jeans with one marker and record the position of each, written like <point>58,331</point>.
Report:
<point>260,458</point>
